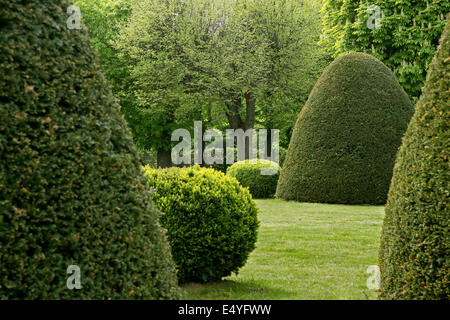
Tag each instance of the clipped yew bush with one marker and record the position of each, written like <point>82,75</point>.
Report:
<point>415,247</point>
<point>211,220</point>
<point>72,191</point>
<point>343,145</point>
<point>261,184</point>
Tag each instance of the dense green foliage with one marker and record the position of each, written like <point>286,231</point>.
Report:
<point>151,42</point>
<point>103,19</point>
<point>415,248</point>
<point>211,220</point>
<point>72,191</point>
<point>249,175</point>
<point>228,63</point>
<point>344,143</point>
<point>405,38</point>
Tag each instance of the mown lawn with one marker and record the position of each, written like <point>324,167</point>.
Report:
<point>304,251</point>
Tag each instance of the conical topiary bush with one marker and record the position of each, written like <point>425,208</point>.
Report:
<point>414,255</point>
<point>343,145</point>
<point>71,188</point>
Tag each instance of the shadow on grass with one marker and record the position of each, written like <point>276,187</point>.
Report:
<point>230,289</point>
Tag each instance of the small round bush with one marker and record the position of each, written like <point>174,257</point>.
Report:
<point>211,220</point>
<point>260,184</point>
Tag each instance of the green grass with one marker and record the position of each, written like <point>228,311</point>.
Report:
<point>304,251</point>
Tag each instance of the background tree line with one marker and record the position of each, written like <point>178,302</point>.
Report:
<point>405,37</point>
<point>232,64</point>
<point>245,63</point>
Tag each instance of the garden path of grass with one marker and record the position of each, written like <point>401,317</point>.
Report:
<point>304,251</point>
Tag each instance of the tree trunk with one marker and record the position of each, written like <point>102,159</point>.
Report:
<point>249,120</point>
<point>164,158</point>
<point>250,102</point>
<point>235,120</point>
<point>232,112</point>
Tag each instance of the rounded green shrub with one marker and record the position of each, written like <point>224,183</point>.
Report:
<point>260,184</point>
<point>415,242</point>
<point>344,143</point>
<point>72,191</point>
<point>211,220</point>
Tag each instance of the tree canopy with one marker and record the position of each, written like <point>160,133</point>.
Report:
<point>231,64</point>
<point>402,34</point>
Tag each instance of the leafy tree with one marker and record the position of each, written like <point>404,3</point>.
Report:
<point>296,62</point>
<point>262,60</point>
<point>103,19</point>
<point>153,41</point>
<point>214,61</point>
<point>405,39</point>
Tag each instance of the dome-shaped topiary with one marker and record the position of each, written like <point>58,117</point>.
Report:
<point>415,247</point>
<point>343,146</point>
<point>260,184</point>
<point>211,220</point>
<point>72,191</point>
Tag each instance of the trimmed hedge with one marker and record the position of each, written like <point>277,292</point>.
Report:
<point>344,143</point>
<point>72,191</point>
<point>415,246</point>
<point>211,220</point>
<point>249,176</point>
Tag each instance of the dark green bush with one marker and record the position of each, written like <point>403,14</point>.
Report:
<point>415,246</point>
<point>344,143</point>
<point>249,175</point>
<point>211,220</point>
<point>72,191</point>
